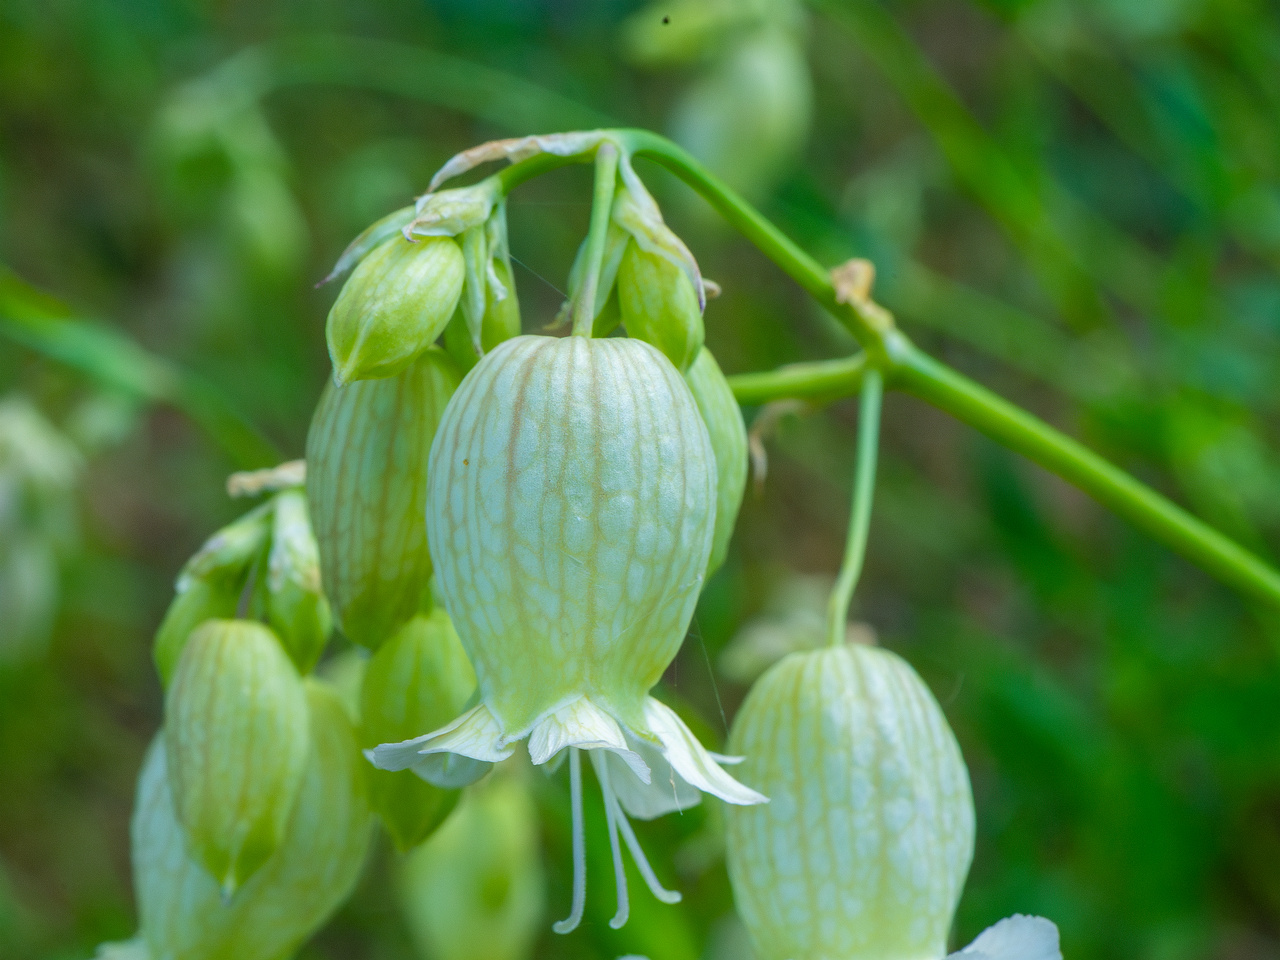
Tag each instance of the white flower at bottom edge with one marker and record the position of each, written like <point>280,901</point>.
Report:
<point>646,772</point>
<point>1019,937</point>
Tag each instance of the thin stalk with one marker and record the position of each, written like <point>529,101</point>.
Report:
<point>864,487</point>
<point>819,381</point>
<point>906,366</point>
<point>949,390</point>
<point>584,304</point>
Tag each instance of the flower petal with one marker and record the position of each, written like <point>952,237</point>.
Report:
<point>667,792</point>
<point>691,760</point>
<point>448,757</point>
<point>1015,938</point>
<point>580,723</point>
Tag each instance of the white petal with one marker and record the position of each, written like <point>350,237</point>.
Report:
<point>1015,938</point>
<point>667,792</point>
<point>690,759</point>
<point>474,734</point>
<point>580,723</point>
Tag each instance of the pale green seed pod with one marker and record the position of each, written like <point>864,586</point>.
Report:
<point>183,914</point>
<point>366,483</point>
<point>728,433</point>
<point>418,680</point>
<point>570,507</point>
<point>236,734</point>
<point>474,891</point>
<point>393,307</point>
<point>198,599</point>
<point>296,606</point>
<point>863,849</point>
<point>659,304</point>
<point>570,511</point>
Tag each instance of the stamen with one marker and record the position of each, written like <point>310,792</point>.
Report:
<point>612,814</point>
<point>642,862</point>
<point>579,847</point>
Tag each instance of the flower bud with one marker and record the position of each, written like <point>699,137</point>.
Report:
<point>210,584</point>
<point>723,417</point>
<point>183,912</point>
<point>474,891</point>
<point>237,740</point>
<point>863,849</point>
<point>659,304</point>
<point>366,483</point>
<point>230,551</point>
<point>418,680</point>
<point>395,304</point>
<point>198,599</point>
<point>501,320</point>
<point>296,607</point>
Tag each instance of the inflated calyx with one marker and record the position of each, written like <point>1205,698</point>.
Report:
<point>571,499</point>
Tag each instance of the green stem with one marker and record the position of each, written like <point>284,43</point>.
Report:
<point>945,388</point>
<point>820,382</point>
<point>584,305</point>
<point>864,486</point>
<point>773,243</point>
<point>906,366</point>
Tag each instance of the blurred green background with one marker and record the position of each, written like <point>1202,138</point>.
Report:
<point>1078,203</point>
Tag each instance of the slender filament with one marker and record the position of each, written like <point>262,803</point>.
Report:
<point>642,862</point>
<point>864,485</point>
<point>611,815</point>
<point>579,848</point>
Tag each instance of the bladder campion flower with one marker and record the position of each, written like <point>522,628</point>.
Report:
<point>366,481</point>
<point>863,850</point>
<point>183,911</point>
<point>237,740</point>
<point>570,511</point>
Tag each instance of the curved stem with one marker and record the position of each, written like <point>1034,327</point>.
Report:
<point>772,242</point>
<point>864,486</point>
<point>906,366</point>
<point>949,390</point>
<point>584,312</point>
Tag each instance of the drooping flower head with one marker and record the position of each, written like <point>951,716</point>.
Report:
<point>570,511</point>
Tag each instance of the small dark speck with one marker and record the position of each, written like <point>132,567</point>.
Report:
<point>666,20</point>
<point>466,463</point>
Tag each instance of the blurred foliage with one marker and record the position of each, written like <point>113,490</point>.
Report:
<point>1076,202</point>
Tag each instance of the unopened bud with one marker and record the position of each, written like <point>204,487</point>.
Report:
<point>723,417</point>
<point>236,733</point>
<point>296,607</point>
<point>418,680</point>
<point>501,320</point>
<point>393,307</point>
<point>183,912</point>
<point>659,304</point>
<point>863,848</point>
<point>366,483</point>
<point>198,599</point>
<point>474,891</point>
<point>230,551</point>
